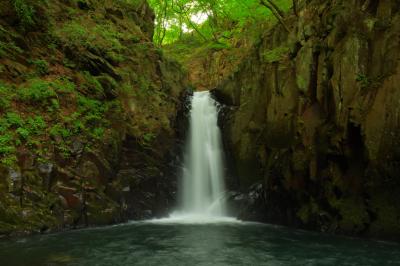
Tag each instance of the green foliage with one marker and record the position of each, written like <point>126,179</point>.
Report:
<point>15,130</point>
<point>92,85</point>
<point>276,54</point>
<point>7,148</point>
<point>68,63</point>
<point>77,34</point>
<point>56,109</point>
<point>9,48</point>
<point>144,84</point>
<point>364,81</point>
<point>28,11</point>
<point>23,133</point>
<point>14,119</point>
<point>207,19</point>
<point>89,119</point>
<point>60,130</point>
<point>148,138</point>
<point>6,95</point>
<point>98,132</point>
<point>105,38</point>
<point>25,12</point>
<point>38,91</point>
<point>369,82</point>
<point>44,92</point>
<point>218,46</point>
<point>42,66</point>
<point>63,85</point>
<point>36,124</point>
<point>125,91</point>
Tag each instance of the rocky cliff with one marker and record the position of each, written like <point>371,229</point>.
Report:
<point>85,98</point>
<point>315,123</point>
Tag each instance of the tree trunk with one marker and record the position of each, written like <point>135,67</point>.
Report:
<point>278,10</point>
<point>275,13</point>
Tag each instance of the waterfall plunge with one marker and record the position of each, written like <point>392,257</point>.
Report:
<point>203,184</point>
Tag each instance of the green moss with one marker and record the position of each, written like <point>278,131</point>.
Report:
<point>368,82</point>
<point>77,34</point>
<point>25,12</point>
<point>105,38</point>
<point>42,66</point>
<point>6,96</point>
<point>53,98</point>
<point>301,82</point>
<point>353,213</point>
<point>38,91</point>
<point>14,119</point>
<point>6,144</point>
<point>44,117</point>
<point>92,86</point>
<point>16,131</point>
<point>364,81</point>
<point>218,46</point>
<point>148,138</point>
<point>36,124</point>
<point>276,54</point>
<point>9,49</point>
<point>68,63</point>
<point>62,85</point>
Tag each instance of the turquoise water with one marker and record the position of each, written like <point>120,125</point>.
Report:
<point>195,244</point>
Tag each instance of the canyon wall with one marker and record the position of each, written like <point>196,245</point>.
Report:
<point>313,119</point>
<point>89,110</point>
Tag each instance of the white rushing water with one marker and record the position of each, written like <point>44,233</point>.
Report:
<point>202,187</point>
<point>203,179</point>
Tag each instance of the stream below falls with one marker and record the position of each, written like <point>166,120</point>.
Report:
<point>164,243</point>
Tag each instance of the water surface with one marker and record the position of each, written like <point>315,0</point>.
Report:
<point>220,243</point>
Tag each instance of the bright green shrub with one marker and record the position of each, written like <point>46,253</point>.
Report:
<point>14,120</point>
<point>39,91</point>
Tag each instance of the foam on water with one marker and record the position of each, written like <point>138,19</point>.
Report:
<point>182,218</point>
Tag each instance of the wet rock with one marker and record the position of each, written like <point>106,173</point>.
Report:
<point>14,175</point>
<point>84,5</point>
<point>45,168</point>
<point>77,147</point>
<point>319,129</point>
<point>109,85</point>
<point>97,65</point>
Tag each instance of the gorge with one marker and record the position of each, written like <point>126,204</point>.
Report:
<point>201,233</point>
<point>177,132</point>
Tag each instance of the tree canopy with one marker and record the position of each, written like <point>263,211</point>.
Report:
<point>211,19</point>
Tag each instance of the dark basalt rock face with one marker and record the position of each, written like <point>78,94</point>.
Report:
<point>314,120</point>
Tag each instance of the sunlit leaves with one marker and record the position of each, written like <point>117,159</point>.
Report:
<point>207,19</point>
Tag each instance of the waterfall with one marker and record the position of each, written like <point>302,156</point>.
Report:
<point>203,180</point>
